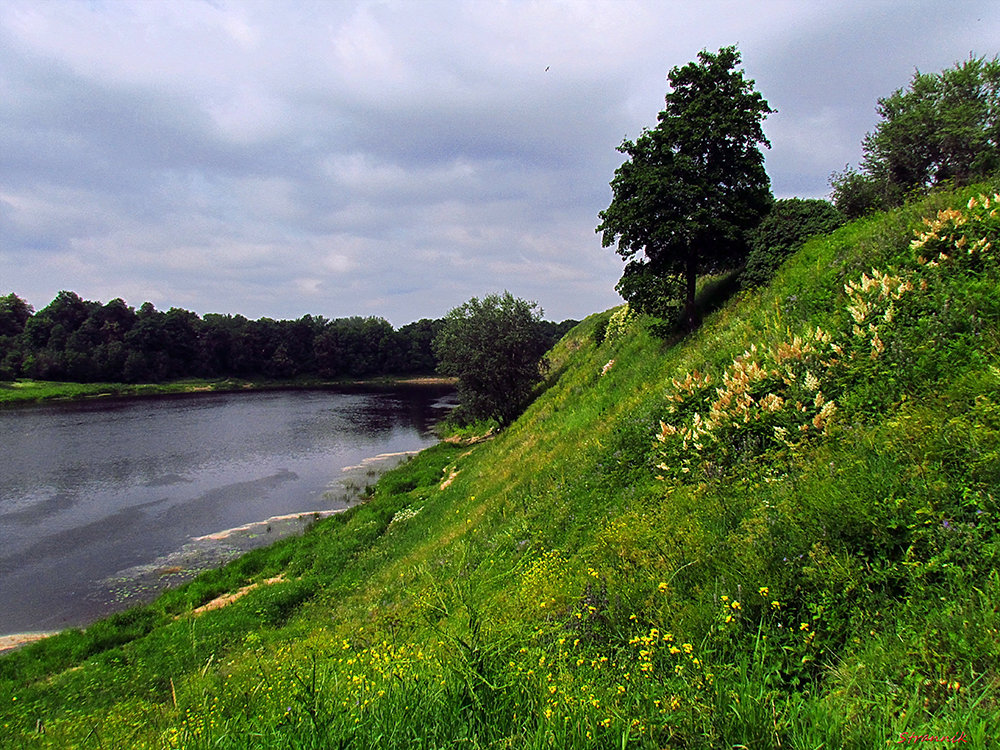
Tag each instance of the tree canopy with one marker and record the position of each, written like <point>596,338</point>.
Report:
<point>494,347</point>
<point>945,127</point>
<point>692,187</point>
<point>79,340</point>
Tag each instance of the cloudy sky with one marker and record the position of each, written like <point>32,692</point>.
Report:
<point>394,158</point>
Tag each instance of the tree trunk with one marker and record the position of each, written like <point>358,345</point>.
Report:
<point>691,279</point>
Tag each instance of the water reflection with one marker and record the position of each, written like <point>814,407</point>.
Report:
<point>90,488</point>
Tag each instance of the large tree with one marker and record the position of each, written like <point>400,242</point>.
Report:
<point>494,347</point>
<point>945,127</point>
<point>692,187</point>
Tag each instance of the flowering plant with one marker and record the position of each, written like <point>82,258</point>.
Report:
<point>962,238</point>
<point>767,398</point>
<point>781,395</point>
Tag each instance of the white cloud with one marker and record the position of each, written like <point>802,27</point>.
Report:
<point>338,263</point>
<point>392,158</point>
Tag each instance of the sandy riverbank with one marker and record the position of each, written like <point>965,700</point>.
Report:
<point>16,640</point>
<point>141,583</point>
<point>253,530</point>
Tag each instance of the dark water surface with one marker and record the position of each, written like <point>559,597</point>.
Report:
<point>95,495</point>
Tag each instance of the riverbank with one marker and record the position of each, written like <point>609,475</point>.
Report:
<point>141,584</point>
<point>24,391</point>
<point>16,640</point>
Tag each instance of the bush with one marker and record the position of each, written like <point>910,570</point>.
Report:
<point>856,194</point>
<point>494,347</point>
<point>790,223</point>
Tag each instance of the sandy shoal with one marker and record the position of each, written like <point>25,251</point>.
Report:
<point>16,640</point>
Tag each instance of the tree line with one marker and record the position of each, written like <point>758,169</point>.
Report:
<point>78,340</point>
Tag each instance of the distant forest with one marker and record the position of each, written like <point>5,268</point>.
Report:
<point>77,340</point>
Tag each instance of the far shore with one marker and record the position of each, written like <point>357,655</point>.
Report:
<point>25,391</point>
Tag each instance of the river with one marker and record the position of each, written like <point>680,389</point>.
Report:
<point>105,502</point>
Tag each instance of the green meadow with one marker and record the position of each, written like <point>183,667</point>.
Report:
<point>26,391</point>
<point>23,391</point>
<point>780,530</point>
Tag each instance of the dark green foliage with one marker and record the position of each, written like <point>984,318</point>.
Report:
<point>944,128</point>
<point>694,185</point>
<point>86,342</point>
<point>14,315</point>
<point>856,194</point>
<point>416,349</point>
<point>552,331</point>
<point>494,347</point>
<point>356,347</point>
<point>649,292</point>
<point>788,224</point>
<point>600,330</point>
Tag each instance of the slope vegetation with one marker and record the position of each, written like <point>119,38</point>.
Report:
<point>780,531</point>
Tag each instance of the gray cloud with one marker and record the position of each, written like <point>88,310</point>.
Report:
<point>391,158</point>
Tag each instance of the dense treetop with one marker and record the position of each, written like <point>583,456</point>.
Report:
<point>494,347</point>
<point>945,127</point>
<point>692,187</point>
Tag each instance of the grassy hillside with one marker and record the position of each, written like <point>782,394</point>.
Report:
<point>780,531</point>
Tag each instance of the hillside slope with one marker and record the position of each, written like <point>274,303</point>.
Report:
<point>778,531</point>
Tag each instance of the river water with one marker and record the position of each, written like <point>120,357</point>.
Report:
<point>102,503</point>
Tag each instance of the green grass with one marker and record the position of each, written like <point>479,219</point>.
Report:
<point>36,391</point>
<point>545,588</point>
<point>23,391</point>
